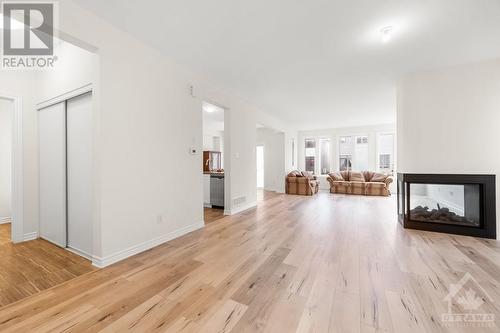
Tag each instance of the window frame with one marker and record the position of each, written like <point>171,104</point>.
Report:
<point>393,166</point>
<point>315,155</point>
<point>320,159</point>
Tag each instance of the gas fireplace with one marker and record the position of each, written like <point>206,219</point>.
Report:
<point>449,203</point>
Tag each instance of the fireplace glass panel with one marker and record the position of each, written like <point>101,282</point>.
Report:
<point>449,204</point>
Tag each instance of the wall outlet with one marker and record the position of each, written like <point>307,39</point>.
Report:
<point>159,219</point>
<point>193,150</point>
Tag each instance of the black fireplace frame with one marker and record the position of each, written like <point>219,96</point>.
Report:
<point>487,225</point>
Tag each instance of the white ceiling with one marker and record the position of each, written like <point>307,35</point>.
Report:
<point>315,63</point>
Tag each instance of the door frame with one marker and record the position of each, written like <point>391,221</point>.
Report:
<point>88,88</point>
<point>17,195</point>
<point>263,162</point>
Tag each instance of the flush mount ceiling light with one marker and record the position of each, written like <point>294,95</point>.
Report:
<point>386,34</point>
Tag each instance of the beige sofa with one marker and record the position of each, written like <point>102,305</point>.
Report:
<point>301,183</point>
<point>359,182</point>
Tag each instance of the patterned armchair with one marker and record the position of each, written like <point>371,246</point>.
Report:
<point>301,183</point>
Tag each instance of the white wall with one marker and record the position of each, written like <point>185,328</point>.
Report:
<point>6,115</point>
<point>290,136</point>
<point>213,140</point>
<point>448,121</point>
<point>23,84</point>
<point>274,159</point>
<point>147,117</point>
<point>74,68</point>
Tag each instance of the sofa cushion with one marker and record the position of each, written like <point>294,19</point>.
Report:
<point>294,173</point>
<point>368,175</point>
<point>356,176</point>
<point>336,176</point>
<point>378,177</point>
<point>376,188</point>
<point>358,188</point>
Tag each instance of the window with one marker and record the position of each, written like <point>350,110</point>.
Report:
<point>361,154</point>
<point>386,153</point>
<point>345,153</point>
<point>345,162</point>
<point>324,156</point>
<point>384,161</point>
<point>361,140</point>
<point>310,146</point>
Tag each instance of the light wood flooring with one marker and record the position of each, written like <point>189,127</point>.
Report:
<point>328,263</point>
<point>212,214</point>
<point>30,267</point>
<point>5,233</point>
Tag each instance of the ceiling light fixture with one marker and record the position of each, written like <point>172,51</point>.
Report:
<point>386,34</point>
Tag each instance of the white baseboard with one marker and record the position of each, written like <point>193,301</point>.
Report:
<point>4,220</point>
<point>30,236</point>
<point>80,253</point>
<point>207,205</point>
<point>240,209</point>
<point>133,250</point>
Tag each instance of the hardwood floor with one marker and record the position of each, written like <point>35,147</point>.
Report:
<point>212,214</point>
<point>5,232</point>
<point>328,263</point>
<point>30,267</point>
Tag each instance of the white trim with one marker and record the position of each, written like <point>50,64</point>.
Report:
<point>30,236</point>
<point>64,97</point>
<point>133,250</point>
<point>80,253</point>
<point>5,220</point>
<point>17,168</point>
<point>207,205</point>
<point>240,209</point>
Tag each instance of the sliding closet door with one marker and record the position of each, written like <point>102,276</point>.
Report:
<point>80,176</point>
<point>52,135</point>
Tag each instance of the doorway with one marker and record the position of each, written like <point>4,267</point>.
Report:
<point>213,162</point>
<point>6,141</point>
<point>260,166</point>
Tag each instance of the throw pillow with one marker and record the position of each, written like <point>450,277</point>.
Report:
<point>306,174</point>
<point>356,176</point>
<point>336,176</point>
<point>378,177</point>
